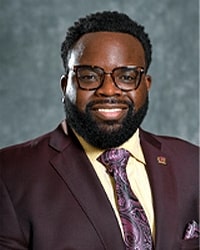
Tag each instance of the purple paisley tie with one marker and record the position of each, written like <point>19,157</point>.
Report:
<point>134,221</point>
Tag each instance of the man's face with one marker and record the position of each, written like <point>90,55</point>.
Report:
<point>107,116</point>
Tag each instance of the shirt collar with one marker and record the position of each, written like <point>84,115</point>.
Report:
<point>132,145</point>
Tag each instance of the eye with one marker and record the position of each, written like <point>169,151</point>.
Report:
<point>86,75</point>
<point>128,77</point>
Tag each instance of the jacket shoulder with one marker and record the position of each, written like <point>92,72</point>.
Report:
<point>170,144</point>
<point>35,149</point>
<point>29,144</point>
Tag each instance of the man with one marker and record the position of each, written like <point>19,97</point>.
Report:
<point>56,192</point>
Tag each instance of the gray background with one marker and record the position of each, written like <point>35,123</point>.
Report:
<point>31,32</point>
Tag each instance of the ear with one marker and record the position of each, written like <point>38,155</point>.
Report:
<point>148,81</point>
<point>63,83</point>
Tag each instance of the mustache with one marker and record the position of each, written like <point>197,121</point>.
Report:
<point>109,101</point>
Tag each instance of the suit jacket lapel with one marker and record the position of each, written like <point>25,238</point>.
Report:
<point>75,169</point>
<point>162,182</point>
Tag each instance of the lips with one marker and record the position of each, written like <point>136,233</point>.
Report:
<point>110,111</point>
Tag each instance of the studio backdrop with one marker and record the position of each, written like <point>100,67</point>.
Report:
<point>30,65</point>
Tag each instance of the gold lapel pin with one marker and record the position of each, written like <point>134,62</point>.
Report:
<point>162,160</point>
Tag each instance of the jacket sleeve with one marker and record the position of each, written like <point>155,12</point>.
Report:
<point>11,236</point>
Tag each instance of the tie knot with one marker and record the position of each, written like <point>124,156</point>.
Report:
<point>114,159</point>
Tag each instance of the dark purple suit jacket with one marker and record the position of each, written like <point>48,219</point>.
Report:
<point>51,198</point>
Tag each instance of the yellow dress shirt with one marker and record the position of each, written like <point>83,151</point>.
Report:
<point>136,172</point>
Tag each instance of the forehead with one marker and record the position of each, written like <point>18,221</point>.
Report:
<point>107,48</point>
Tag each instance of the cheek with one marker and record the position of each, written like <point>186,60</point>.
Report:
<point>139,97</point>
<point>83,97</point>
<point>78,97</point>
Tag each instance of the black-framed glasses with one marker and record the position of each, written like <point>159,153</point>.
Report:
<point>125,78</point>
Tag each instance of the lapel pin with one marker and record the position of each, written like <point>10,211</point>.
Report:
<point>162,160</point>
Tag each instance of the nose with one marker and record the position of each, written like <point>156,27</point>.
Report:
<point>108,87</point>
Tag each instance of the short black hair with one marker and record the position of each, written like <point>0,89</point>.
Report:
<point>111,21</point>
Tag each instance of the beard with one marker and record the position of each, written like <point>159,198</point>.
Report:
<point>106,134</point>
